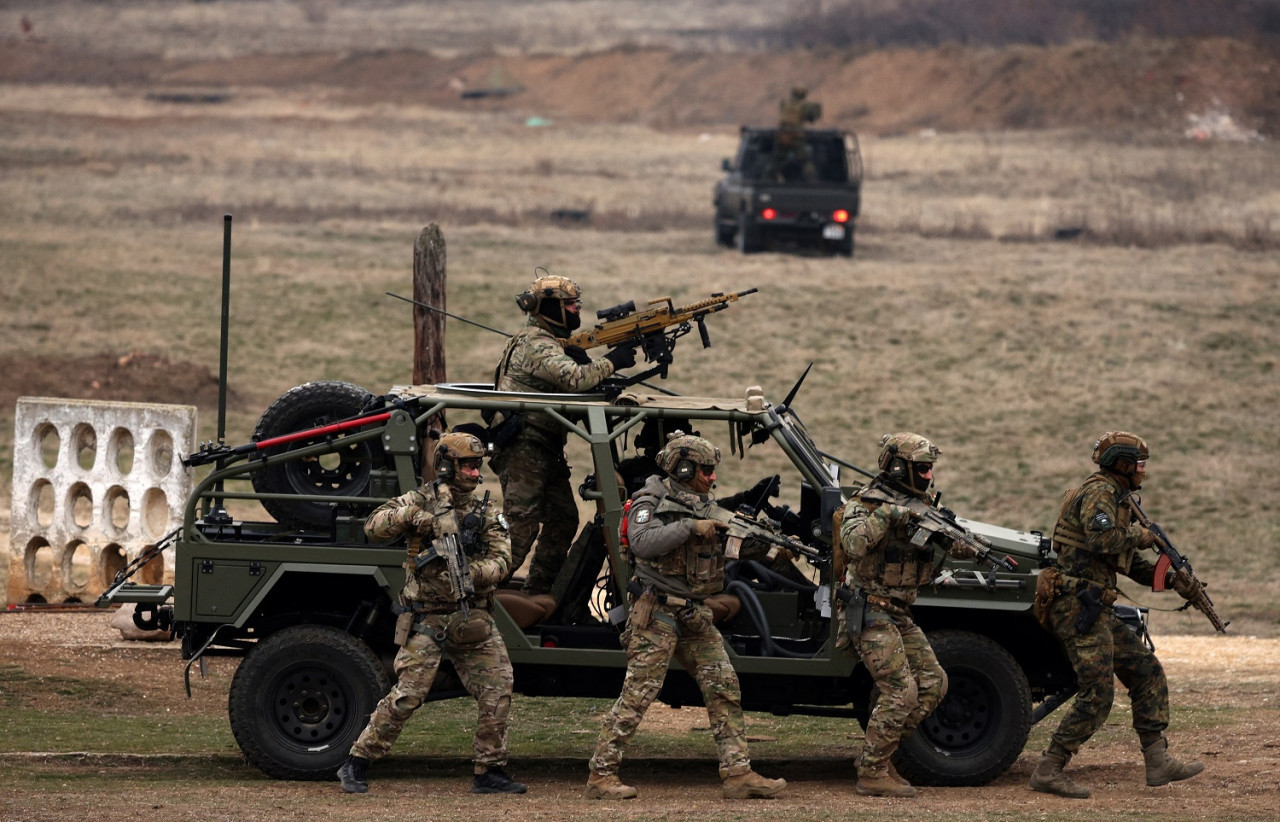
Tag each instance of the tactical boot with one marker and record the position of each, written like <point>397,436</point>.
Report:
<point>495,780</point>
<point>1049,778</point>
<point>881,783</point>
<point>751,785</point>
<point>608,786</point>
<point>895,776</point>
<point>354,774</point>
<point>1162,768</point>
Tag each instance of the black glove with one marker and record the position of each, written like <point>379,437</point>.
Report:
<point>578,354</point>
<point>621,358</point>
<point>763,490</point>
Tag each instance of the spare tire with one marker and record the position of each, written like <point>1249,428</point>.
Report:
<point>345,472</point>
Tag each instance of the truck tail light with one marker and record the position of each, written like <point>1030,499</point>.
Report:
<point>840,215</point>
<point>769,214</point>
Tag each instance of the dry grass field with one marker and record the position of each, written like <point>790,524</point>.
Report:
<point>960,316</point>
<point>334,132</point>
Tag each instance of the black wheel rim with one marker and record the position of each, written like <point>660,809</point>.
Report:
<point>345,472</point>
<point>966,719</point>
<point>309,706</point>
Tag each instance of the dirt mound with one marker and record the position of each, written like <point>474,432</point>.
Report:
<point>135,377</point>
<point>1140,84</point>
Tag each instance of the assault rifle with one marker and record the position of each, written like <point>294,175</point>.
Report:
<point>1170,558</point>
<point>647,330</point>
<point>741,526</point>
<point>934,519</point>
<point>448,549</point>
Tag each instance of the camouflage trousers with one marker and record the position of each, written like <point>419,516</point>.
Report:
<point>689,636</point>
<point>538,504</point>
<point>485,671</point>
<point>1107,651</point>
<point>908,677</point>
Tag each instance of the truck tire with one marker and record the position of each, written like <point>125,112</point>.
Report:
<point>301,698</point>
<point>748,236</point>
<point>342,473</point>
<point>982,724</point>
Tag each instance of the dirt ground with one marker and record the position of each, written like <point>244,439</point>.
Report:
<point>1239,743</point>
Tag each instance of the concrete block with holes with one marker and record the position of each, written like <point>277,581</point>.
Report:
<point>94,485</point>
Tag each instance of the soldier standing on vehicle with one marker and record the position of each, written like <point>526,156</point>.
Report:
<point>537,499</point>
<point>887,559</point>
<point>439,621</point>
<point>791,159</point>
<point>1095,540</point>
<point>679,562</point>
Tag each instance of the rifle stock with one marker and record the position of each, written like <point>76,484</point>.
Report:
<point>1169,557</point>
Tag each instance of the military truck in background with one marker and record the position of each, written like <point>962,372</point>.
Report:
<point>807,196</point>
<point>305,600</point>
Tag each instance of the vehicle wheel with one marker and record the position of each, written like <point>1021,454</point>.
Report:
<point>982,724</point>
<point>724,234</point>
<point>345,472</point>
<point>748,236</point>
<point>301,698</point>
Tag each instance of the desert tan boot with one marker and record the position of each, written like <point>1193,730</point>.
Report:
<point>1049,778</point>
<point>608,786</point>
<point>882,783</point>
<point>751,785</point>
<point>1162,768</point>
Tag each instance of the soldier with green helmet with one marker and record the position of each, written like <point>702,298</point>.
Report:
<point>887,559</point>
<point>791,158</point>
<point>433,626</point>
<point>679,563</point>
<point>1096,539</point>
<point>530,461</point>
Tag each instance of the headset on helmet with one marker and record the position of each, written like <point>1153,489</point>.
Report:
<point>1115,446</point>
<point>456,446</point>
<point>899,453</point>
<point>546,299</point>
<point>684,453</point>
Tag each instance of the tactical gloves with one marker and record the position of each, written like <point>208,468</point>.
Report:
<point>706,528</point>
<point>621,357</point>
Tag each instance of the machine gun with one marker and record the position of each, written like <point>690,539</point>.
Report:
<point>648,330</point>
<point>448,549</point>
<point>1170,558</point>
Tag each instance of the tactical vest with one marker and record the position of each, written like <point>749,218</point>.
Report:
<point>1069,537</point>
<point>700,561</point>
<point>897,563</point>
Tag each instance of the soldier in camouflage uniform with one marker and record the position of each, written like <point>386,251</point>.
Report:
<point>433,626</point>
<point>537,499</point>
<point>679,561</point>
<point>1095,539</point>
<point>791,158</point>
<point>885,565</point>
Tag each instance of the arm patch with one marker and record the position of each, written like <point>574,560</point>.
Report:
<point>1101,522</point>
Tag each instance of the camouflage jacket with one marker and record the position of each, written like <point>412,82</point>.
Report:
<point>668,554</point>
<point>534,361</point>
<point>1095,537</point>
<point>879,555</point>
<point>488,558</point>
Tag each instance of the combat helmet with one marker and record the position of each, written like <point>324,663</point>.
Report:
<point>683,454</point>
<point>455,446</point>
<point>904,457</point>
<point>547,300</point>
<point>1119,452</point>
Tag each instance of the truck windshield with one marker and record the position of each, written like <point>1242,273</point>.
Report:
<point>820,159</point>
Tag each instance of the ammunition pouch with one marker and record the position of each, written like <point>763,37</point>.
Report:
<point>642,609</point>
<point>1047,587</point>
<point>467,631</point>
<point>404,627</point>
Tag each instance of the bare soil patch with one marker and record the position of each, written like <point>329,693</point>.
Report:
<point>133,377</point>
<point>1233,675</point>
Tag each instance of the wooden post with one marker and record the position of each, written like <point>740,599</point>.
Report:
<point>428,326</point>
<point>428,287</point>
